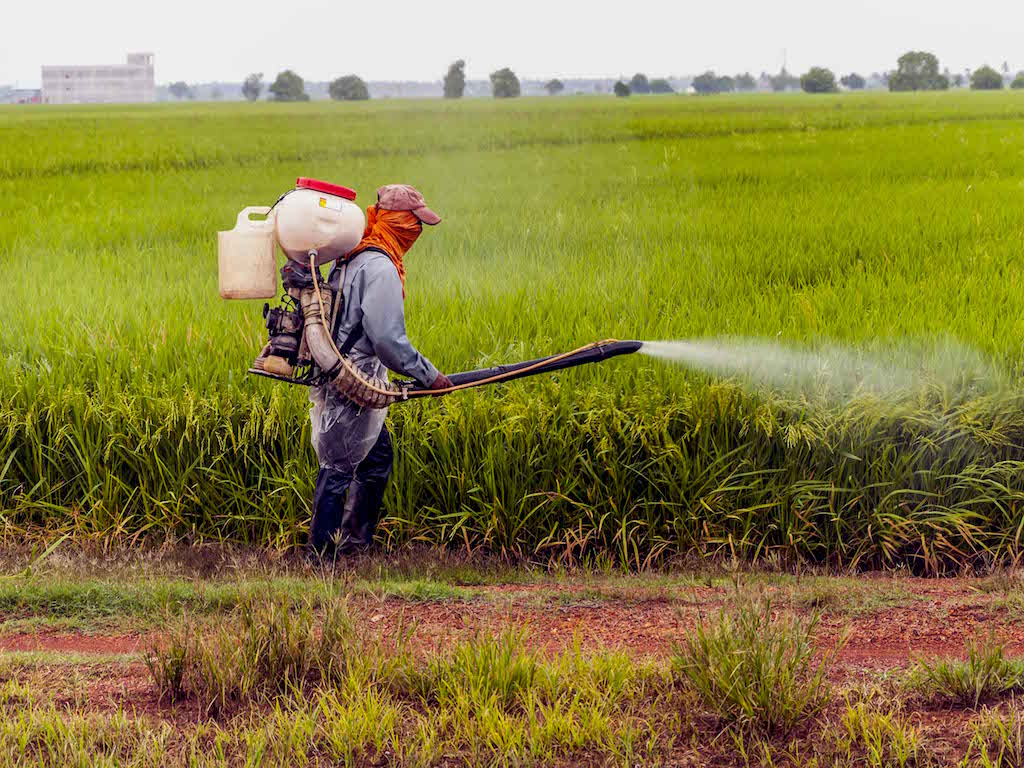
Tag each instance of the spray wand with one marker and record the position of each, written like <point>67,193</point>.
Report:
<point>590,353</point>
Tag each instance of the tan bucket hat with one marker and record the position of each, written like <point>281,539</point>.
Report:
<point>402,197</point>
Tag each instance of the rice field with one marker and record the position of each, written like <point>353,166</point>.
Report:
<point>858,221</point>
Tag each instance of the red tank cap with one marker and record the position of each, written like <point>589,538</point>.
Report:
<point>325,187</point>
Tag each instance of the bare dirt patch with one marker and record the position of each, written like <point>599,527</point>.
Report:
<point>74,642</point>
<point>941,615</point>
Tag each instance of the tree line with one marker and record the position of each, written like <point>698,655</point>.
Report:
<point>915,71</point>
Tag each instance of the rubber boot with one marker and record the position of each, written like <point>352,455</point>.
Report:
<point>366,494</point>
<point>328,511</point>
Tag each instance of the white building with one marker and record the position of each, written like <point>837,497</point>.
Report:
<point>129,82</point>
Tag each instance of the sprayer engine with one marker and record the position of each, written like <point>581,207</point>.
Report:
<point>314,224</point>
<point>285,357</point>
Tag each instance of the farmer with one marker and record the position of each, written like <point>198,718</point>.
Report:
<point>352,444</point>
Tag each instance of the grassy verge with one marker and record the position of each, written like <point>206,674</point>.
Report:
<point>79,587</point>
<point>294,677</point>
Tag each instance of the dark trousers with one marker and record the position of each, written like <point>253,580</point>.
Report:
<point>346,522</point>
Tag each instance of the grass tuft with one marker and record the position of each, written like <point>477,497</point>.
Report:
<point>272,646</point>
<point>757,673</point>
<point>484,671</point>
<point>984,675</point>
<point>997,741</point>
<point>876,739</point>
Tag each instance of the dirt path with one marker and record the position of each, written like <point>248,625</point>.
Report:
<point>888,638</point>
<point>75,642</point>
<point>935,618</point>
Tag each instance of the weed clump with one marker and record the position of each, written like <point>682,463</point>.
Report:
<point>486,671</point>
<point>272,646</point>
<point>985,674</point>
<point>881,739</point>
<point>755,673</point>
<point>488,700</point>
<point>998,740</point>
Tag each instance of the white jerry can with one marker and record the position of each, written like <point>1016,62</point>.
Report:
<point>247,257</point>
<point>318,216</point>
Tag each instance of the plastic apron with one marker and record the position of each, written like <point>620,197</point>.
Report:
<point>342,432</point>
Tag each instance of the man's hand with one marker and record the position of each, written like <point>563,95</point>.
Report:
<point>441,382</point>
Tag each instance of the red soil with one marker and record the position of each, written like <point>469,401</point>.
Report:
<point>939,617</point>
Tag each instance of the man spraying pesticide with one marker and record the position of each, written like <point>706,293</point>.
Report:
<point>352,443</point>
<point>342,335</point>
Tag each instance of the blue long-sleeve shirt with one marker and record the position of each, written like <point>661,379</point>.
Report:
<point>373,296</point>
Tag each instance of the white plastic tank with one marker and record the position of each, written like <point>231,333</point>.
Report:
<point>318,216</point>
<point>247,257</point>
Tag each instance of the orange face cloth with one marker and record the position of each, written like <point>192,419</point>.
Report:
<point>393,232</point>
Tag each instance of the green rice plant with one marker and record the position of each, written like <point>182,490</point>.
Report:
<point>755,673</point>
<point>985,674</point>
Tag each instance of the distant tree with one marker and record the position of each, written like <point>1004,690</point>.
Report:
<point>216,94</point>
<point>455,80</point>
<point>288,87</point>
<point>958,80</point>
<point>918,71</point>
<point>253,86</point>
<point>854,82</point>
<point>784,81</point>
<point>705,83</point>
<point>709,82</point>
<point>621,89</point>
<point>745,82</point>
<point>818,80</point>
<point>180,90</point>
<point>661,85</point>
<point>505,84</point>
<point>639,84</point>
<point>986,79</point>
<point>554,86</point>
<point>348,88</point>
<point>1006,68</point>
<point>1018,82</point>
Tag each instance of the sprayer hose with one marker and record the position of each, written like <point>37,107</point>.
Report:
<point>330,336</point>
<point>398,394</point>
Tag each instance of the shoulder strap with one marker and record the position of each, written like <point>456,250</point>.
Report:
<point>366,248</point>
<point>356,333</point>
<point>353,338</point>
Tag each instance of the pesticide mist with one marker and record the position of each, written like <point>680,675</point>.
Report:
<point>830,373</point>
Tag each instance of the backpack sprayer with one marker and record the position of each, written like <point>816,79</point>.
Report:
<point>314,224</point>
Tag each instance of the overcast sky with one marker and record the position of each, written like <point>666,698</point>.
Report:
<point>199,41</point>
